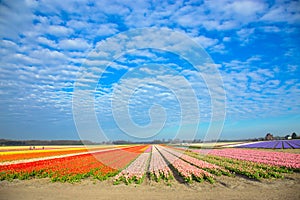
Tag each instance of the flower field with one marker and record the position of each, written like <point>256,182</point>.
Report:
<point>12,154</point>
<point>136,163</point>
<point>100,165</point>
<point>28,148</point>
<point>281,159</point>
<point>276,144</point>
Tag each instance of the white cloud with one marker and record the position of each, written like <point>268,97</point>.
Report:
<point>76,44</point>
<point>59,31</point>
<point>120,8</point>
<point>205,41</point>
<point>51,56</point>
<point>220,25</point>
<point>220,48</point>
<point>253,58</point>
<point>245,10</point>
<point>288,12</point>
<point>226,39</point>
<point>106,29</point>
<point>260,89</point>
<point>270,29</point>
<point>231,15</point>
<point>245,35</point>
<point>77,24</point>
<point>292,68</point>
<point>46,41</point>
<point>25,59</point>
<point>15,18</point>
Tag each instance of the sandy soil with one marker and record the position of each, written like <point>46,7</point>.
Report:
<point>225,188</point>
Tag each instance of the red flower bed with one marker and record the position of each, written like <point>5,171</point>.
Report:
<point>73,168</point>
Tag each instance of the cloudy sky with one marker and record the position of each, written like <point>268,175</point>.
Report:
<point>131,69</point>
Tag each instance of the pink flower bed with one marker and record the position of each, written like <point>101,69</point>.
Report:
<point>186,170</point>
<point>148,150</point>
<point>135,171</point>
<point>200,163</point>
<point>281,159</point>
<point>158,166</point>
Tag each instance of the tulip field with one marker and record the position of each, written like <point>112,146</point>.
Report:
<point>274,144</point>
<point>287,160</point>
<point>99,165</point>
<point>136,163</point>
<point>11,154</point>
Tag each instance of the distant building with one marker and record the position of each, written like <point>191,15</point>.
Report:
<point>269,136</point>
<point>288,137</point>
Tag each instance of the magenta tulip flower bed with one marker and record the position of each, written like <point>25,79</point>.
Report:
<point>281,159</point>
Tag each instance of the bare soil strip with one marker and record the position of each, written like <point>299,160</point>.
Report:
<point>226,188</point>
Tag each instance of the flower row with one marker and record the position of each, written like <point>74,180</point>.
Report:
<point>158,168</point>
<point>186,170</point>
<point>135,172</point>
<point>212,168</point>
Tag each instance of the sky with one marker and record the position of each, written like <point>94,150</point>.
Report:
<point>143,70</point>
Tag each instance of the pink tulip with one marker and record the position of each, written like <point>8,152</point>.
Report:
<point>281,159</point>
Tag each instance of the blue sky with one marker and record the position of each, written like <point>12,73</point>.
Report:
<point>149,93</point>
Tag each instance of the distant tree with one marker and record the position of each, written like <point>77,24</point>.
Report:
<point>294,135</point>
<point>269,136</point>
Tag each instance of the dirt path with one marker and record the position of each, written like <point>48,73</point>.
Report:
<point>226,188</point>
